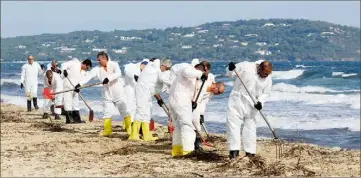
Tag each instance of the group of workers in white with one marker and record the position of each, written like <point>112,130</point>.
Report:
<point>183,82</point>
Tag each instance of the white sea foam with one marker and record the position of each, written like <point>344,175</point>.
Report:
<point>285,75</point>
<point>342,74</point>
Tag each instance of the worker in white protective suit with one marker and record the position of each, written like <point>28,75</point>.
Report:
<point>54,66</point>
<point>241,114</point>
<point>73,72</point>
<point>210,88</point>
<point>29,80</point>
<point>53,81</point>
<point>131,75</point>
<point>150,83</point>
<point>113,91</point>
<point>181,97</point>
<point>173,73</point>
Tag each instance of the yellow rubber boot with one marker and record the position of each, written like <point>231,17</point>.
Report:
<point>185,152</point>
<point>147,135</point>
<point>128,124</point>
<point>107,127</point>
<point>135,131</point>
<point>123,125</point>
<point>177,150</point>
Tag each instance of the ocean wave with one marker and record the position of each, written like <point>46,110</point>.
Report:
<point>352,100</point>
<point>285,75</point>
<point>5,81</point>
<point>302,66</point>
<point>283,87</point>
<point>343,75</point>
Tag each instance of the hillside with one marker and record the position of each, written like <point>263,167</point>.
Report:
<point>273,39</point>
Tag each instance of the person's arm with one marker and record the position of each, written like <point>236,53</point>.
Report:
<point>266,91</point>
<point>190,72</point>
<point>117,72</point>
<point>164,77</point>
<point>90,75</point>
<point>238,69</point>
<point>23,74</point>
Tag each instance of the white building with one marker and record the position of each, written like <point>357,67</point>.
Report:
<point>244,43</point>
<point>261,43</point>
<point>263,52</point>
<point>251,35</point>
<point>268,25</point>
<point>202,31</point>
<point>186,46</point>
<point>99,50</point>
<point>21,47</point>
<point>120,51</point>
<point>189,35</point>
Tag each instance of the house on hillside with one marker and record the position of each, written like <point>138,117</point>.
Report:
<point>120,51</point>
<point>189,35</point>
<point>251,35</point>
<point>261,43</point>
<point>244,43</point>
<point>202,31</point>
<point>268,25</point>
<point>21,47</point>
<point>263,52</point>
<point>327,33</point>
<point>99,49</point>
<point>186,46</point>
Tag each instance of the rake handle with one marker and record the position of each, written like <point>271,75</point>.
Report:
<point>254,102</point>
<point>87,86</point>
<point>81,97</point>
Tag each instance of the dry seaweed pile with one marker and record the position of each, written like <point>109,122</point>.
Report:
<point>203,155</point>
<point>11,116</point>
<point>121,151</point>
<point>52,127</point>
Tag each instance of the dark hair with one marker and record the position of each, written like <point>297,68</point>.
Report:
<point>264,64</point>
<point>87,62</point>
<point>200,66</point>
<point>207,64</point>
<point>104,54</point>
<point>152,59</point>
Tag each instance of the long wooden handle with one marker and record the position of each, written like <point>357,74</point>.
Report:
<point>254,101</point>
<point>81,97</point>
<point>87,86</point>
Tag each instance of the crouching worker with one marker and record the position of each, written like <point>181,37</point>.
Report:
<point>181,94</point>
<point>112,92</point>
<point>241,114</point>
<point>53,80</point>
<point>150,82</point>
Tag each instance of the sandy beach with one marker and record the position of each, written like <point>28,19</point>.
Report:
<point>31,146</point>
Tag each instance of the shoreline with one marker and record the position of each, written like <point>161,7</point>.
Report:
<point>31,146</point>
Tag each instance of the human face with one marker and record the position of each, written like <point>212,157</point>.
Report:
<point>217,88</point>
<point>164,68</point>
<point>30,59</point>
<point>263,73</point>
<point>102,60</point>
<point>49,76</point>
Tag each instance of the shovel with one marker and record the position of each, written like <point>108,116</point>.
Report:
<point>91,112</point>
<point>197,131</point>
<point>48,93</point>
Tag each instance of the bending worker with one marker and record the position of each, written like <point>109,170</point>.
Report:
<point>181,96</point>
<point>53,81</point>
<point>131,75</point>
<point>73,72</point>
<point>241,114</point>
<point>113,91</point>
<point>150,83</point>
<point>29,80</point>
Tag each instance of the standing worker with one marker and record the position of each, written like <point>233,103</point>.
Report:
<point>29,80</point>
<point>150,83</point>
<point>53,81</point>
<point>113,91</point>
<point>131,75</point>
<point>54,66</point>
<point>73,70</point>
<point>181,95</point>
<point>241,114</point>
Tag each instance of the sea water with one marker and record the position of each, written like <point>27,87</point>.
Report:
<point>312,102</point>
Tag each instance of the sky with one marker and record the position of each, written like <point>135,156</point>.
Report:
<point>33,18</point>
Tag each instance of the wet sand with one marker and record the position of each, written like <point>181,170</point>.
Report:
<point>31,146</point>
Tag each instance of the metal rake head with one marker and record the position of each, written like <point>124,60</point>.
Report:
<point>279,147</point>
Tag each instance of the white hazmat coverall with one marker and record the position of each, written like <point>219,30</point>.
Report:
<point>29,78</point>
<point>241,114</point>
<point>56,85</point>
<point>180,100</point>
<point>129,71</point>
<point>150,82</point>
<point>75,74</point>
<point>203,99</point>
<point>113,92</point>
